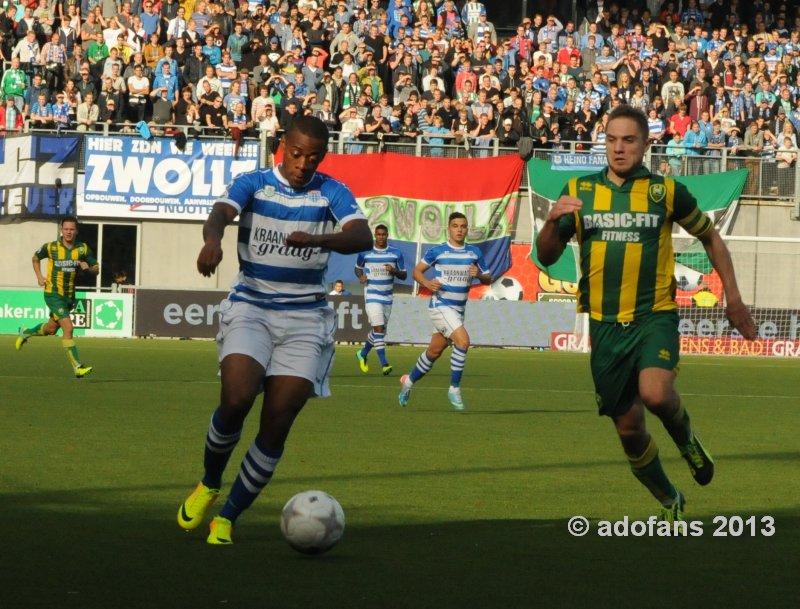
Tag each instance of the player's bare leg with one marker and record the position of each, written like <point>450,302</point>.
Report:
<point>65,323</point>
<point>242,381</point>
<point>424,364</point>
<point>284,398</point>
<point>657,389</point>
<point>642,453</point>
<point>47,328</point>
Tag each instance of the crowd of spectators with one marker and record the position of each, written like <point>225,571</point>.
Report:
<point>709,76</point>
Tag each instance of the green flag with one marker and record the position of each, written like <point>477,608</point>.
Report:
<point>717,195</point>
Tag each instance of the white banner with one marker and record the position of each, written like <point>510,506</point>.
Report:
<point>134,178</point>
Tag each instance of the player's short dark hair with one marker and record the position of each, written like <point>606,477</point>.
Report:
<point>456,215</point>
<point>633,114</point>
<point>69,219</point>
<point>309,126</point>
<point>381,227</point>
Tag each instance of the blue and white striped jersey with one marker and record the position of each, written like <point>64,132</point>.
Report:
<point>272,275</point>
<point>451,265</point>
<point>380,284</point>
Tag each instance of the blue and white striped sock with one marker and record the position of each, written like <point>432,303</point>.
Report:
<point>369,344</point>
<point>257,468</point>
<point>380,347</point>
<point>220,442</point>
<point>424,365</point>
<point>458,358</point>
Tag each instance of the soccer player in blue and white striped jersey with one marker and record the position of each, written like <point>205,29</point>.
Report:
<point>457,265</point>
<point>377,270</point>
<point>276,330</point>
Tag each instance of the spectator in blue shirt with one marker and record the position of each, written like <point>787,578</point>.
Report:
<point>151,21</point>
<point>167,82</point>
<point>212,52</point>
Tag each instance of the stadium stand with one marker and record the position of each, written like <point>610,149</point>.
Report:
<point>723,75</point>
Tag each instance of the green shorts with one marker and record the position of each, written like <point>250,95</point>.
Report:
<point>59,306</point>
<point>621,351</point>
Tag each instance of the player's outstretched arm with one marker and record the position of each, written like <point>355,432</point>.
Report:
<point>737,312</point>
<point>549,245</point>
<point>354,237</point>
<point>210,255</point>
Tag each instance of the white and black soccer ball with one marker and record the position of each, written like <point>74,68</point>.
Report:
<point>687,279</point>
<point>505,288</point>
<point>312,522</point>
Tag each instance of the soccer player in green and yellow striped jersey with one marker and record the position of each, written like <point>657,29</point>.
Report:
<point>65,257</point>
<point>622,218</point>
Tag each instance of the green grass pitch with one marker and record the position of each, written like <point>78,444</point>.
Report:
<point>444,510</point>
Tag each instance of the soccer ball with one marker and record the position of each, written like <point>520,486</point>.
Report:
<point>505,288</point>
<point>312,522</point>
<point>687,279</point>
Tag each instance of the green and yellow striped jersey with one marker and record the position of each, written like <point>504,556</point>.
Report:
<point>625,236</point>
<point>63,265</point>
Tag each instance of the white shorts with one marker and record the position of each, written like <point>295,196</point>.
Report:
<point>285,342</point>
<point>378,314</point>
<point>446,320</point>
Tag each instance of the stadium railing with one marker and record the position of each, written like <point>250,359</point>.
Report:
<point>768,178</point>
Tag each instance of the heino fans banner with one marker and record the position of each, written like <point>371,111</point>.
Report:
<point>716,194</point>
<point>414,196</point>
<point>130,177</point>
<point>38,175</point>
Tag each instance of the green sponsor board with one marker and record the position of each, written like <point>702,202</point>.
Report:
<point>94,314</point>
<point>21,308</point>
<point>104,315</point>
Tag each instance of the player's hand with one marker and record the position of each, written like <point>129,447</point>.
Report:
<point>209,258</point>
<point>435,286</point>
<point>42,282</point>
<point>84,265</point>
<point>563,207</point>
<point>300,239</point>
<point>739,316</point>
<point>389,268</point>
<point>363,279</point>
<point>473,270</point>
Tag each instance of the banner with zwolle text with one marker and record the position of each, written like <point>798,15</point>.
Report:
<point>414,196</point>
<point>134,178</point>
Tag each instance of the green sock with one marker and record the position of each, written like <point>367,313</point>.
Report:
<point>72,352</point>
<point>679,428</point>
<point>37,330</point>
<point>648,470</point>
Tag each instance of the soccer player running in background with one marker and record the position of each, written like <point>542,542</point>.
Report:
<point>276,331</point>
<point>456,264</point>
<point>623,218</point>
<point>377,269</point>
<point>65,256</point>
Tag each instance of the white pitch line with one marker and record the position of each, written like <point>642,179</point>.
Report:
<point>99,380</point>
<point>578,391</point>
